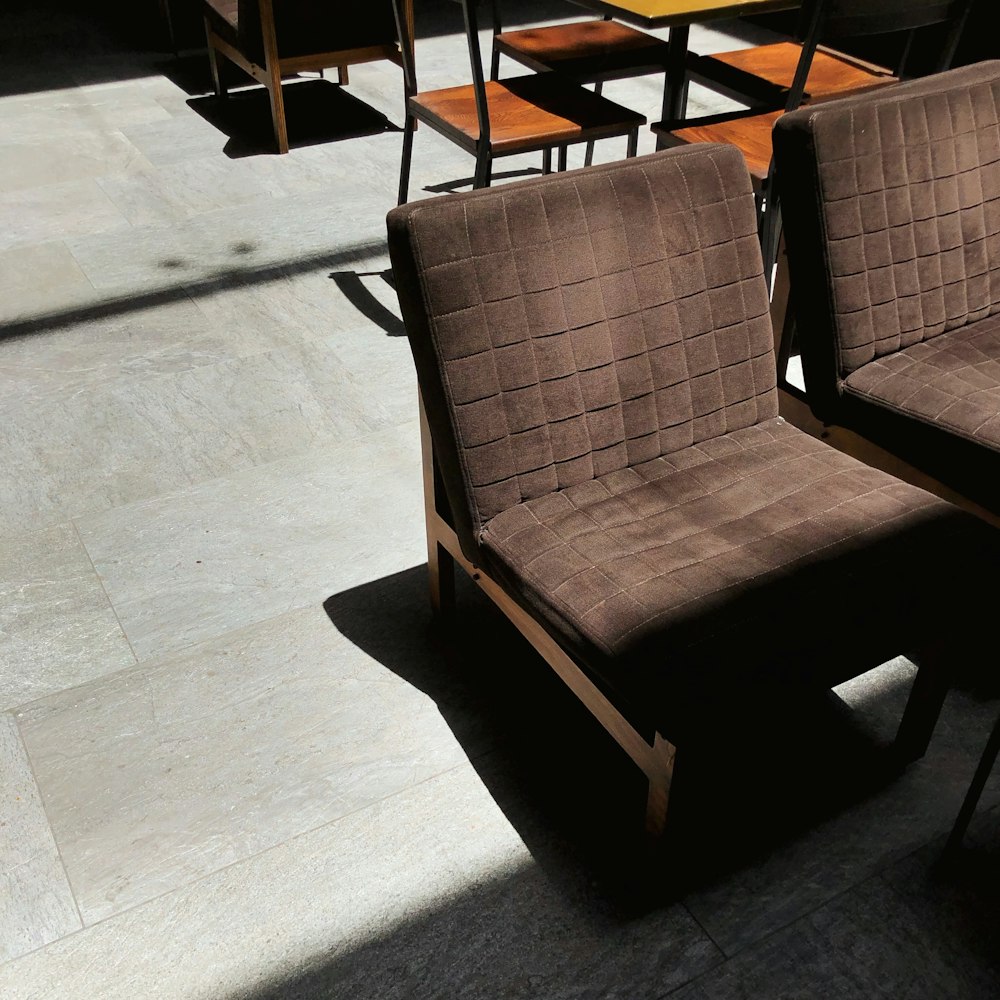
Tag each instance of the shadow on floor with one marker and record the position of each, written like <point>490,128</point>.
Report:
<point>316,111</point>
<point>452,187</point>
<point>759,774</point>
<point>194,287</point>
<point>357,292</point>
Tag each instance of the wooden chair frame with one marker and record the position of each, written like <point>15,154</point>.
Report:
<point>595,75</point>
<point>655,757</point>
<point>275,67</point>
<point>481,146</point>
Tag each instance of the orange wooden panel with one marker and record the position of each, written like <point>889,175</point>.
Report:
<point>751,135</point>
<point>577,40</point>
<point>666,12</point>
<point>829,73</point>
<point>526,112</point>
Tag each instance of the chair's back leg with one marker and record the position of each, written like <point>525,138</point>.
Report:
<point>272,64</point>
<point>588,156</point>
<point>277,109</point>
<point>213,62</point>
<point>440,576</point>
<point>657,800</point>
<point>440,562</point>
<point>497,28</point>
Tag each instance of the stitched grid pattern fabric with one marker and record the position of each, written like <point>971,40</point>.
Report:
<point>586,326</point>
<point>657,550</point>
<point>952,381</point>
<point>910,192</point>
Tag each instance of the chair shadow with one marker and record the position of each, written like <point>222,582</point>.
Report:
<point>459,184</point>
<point>316,111</point>
<point>360,296</point>
<point>190,73</point>
<point>790,759</point>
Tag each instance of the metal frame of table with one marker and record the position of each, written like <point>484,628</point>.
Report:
<point>678,16</point>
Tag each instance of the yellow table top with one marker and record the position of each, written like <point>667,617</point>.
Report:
<point>663,13</point>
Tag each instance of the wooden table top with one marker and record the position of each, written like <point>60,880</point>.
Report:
<point>664,13</point>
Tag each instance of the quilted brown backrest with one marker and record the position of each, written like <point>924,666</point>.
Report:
<point>891,206</point>
<point>575,325</point>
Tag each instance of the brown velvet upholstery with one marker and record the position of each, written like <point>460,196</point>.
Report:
<point>893,227</point>
<point>594,354</point>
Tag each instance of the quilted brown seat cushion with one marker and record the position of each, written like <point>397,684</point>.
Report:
<point>737,551</point>
<point>952,380</point>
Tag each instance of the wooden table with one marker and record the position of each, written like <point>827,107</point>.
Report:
<point>678,16</point>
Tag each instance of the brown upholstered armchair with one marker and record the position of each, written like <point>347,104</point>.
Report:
<point>604,456</point>
<point>892,222</point>
<point>269,39</point>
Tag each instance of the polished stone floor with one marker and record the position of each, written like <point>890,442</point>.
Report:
<point>236,759</point>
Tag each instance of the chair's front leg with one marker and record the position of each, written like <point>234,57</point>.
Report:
<point>404,166</point>
<point>923,707</point>
<point>277,109</point>
<point>484,167</point>
<point>440,576</point>
<point>661,776</point>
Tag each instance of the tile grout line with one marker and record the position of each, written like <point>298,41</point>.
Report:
<point>107,597</point>
<point>876,875</point>
<point>52,835</point>
<point>187,886</point>
<point>181,652</point>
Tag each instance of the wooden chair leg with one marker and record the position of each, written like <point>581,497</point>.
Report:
<point>404,166</point>
<point>780,290</point>
<point>278,112</point>
<point>213,62</point>
<point>923,707</point>
<point>664,755</point>
<point>979,779</point>
<point>441,578</point>
<point>343,77</point>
